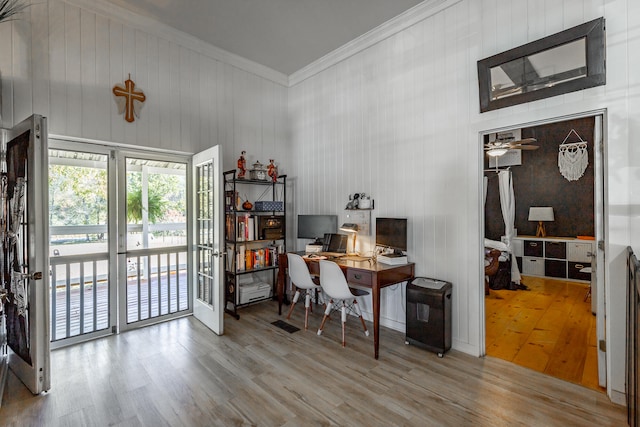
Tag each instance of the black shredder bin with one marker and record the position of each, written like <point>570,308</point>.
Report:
<point>429,314</point>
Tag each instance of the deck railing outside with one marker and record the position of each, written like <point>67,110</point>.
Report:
<point>157,285</point>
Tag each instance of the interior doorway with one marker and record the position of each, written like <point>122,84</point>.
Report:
<point>558,304</point>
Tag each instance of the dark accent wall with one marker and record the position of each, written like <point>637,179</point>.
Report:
<point>538,182</point>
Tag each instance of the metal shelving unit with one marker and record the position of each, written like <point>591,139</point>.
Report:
<point>253,239</point>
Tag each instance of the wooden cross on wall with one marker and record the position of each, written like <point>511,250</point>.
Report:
<point>129,100</point>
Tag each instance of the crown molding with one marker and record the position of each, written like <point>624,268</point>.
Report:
<point>158,29</point>
<point>393,26</point>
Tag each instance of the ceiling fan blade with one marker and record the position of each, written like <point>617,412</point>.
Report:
<point>525,147</point>
<point>523,141</point>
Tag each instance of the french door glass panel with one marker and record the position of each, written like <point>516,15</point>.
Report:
<point>156,238</point>
<point>79,243</point>
<point>208,253</point>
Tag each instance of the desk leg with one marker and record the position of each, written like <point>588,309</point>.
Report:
<point>375,296</point>
<point>282,273</point>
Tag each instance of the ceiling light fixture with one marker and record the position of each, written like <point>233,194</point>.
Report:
<point>497,152</point>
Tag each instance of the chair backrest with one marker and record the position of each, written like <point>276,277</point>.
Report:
<point>333,281</point>
<point>299,272</point>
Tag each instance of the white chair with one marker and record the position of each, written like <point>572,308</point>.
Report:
<point>301,279</point>
<point>335,285</point>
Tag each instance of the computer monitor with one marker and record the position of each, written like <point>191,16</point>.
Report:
<point>392,233</point>
<point>336,243</point>
<point>316,226</point>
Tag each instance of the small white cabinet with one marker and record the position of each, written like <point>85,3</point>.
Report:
<point>555,257</point>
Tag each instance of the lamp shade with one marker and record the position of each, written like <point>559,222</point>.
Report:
<point>349,227</point>
<point>544,213</point>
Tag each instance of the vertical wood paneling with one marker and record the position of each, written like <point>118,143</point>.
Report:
<point>164,94</point>
<point>6,87</point>
<point>62,61</point>
<point>116,57</point>
<point>409,107</point>
<point>129,63</point>
<point>73,76</point>
<point>103,95</point>
<point>140,69</point>
<point>151,110</point>
<point>87,81</point>
<point>40,56</point>
<point>57,118</point>
<point>22,87</point>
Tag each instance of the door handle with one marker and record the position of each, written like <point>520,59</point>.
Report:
<point>21,276</point>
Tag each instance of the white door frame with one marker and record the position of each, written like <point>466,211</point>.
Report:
<point>600,178</point>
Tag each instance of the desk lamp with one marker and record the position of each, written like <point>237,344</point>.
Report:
<point>541,214</point>
<point>353,229</point>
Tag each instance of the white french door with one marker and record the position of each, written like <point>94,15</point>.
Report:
<point>119,239</point>
<point>130,244</point>
<point>24,258</point>
<point>81,241</point>
<point>208,249</point>
<point>153,238</point>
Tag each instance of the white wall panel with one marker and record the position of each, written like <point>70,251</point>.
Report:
<point>115,77</point>
<point>73,76</point>
<point>402,117</point>
<point>88,62</point>
<point>6,74</point>
<point>40,56</point>
<point>65,59</point>
<point>104,102</point>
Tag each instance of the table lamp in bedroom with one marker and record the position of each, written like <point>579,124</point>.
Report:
<point>541,214</point>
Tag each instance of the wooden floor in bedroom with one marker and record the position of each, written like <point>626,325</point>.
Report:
<point>549,328</point>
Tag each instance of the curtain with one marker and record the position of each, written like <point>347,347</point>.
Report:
<point>508,205</point>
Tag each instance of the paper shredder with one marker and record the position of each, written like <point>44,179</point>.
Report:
<point>429,314</point>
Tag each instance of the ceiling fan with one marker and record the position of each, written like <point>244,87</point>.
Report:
<point>500,147</point>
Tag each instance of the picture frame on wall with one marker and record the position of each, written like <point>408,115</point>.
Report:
<point>564,62</point>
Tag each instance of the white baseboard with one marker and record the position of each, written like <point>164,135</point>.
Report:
<point>619,398</point>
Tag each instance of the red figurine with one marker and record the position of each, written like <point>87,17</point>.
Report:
<point>242,165</point>
<point>272,171</point>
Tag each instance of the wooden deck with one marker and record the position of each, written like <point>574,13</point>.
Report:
<point>149,299</point>
<point>179,373</point>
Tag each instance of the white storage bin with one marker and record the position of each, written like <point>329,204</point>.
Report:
<point>518,247</point>
<point>579,251</point>
<point>533,266</point>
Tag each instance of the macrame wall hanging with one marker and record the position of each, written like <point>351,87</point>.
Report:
<point>573,158</point>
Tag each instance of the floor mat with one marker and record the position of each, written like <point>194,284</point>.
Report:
<point>284,325</point>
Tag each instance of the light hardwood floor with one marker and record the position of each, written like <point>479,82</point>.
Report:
<point>179,373</point>
<point>549,328</point>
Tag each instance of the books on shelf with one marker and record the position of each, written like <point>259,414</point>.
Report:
<point>251,259</point>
